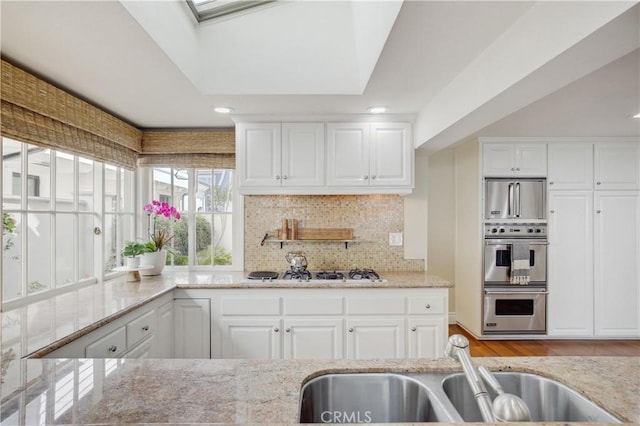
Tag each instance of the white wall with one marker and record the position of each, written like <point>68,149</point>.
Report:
<point>441,213</point>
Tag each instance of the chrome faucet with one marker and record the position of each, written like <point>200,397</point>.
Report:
<point>458,349</point>
<point>506,407</point>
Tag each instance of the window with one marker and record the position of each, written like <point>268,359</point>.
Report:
<point>204,10</point>
<point>69,226</point>
<point>203,237</point>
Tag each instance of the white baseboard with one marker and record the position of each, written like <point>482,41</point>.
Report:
<point>452,317</point>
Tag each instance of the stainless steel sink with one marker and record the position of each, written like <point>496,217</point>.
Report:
<point>548,400</point>
<point>371,398</point>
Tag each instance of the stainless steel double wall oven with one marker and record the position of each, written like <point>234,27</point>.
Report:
<point>515,257</point>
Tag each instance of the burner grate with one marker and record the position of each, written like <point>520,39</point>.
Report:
<point>363,274</point>
<point>335,275</point>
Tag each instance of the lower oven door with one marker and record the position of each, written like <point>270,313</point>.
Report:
<point>514,312</point>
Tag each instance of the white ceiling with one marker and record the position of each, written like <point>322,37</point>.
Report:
<point>458,68</point>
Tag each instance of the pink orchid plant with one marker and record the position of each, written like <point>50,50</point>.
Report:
<point>159,238</point>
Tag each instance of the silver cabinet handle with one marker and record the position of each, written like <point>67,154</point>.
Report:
<point>276,330</point>
<point>513,169</point>
<point>598,211</point>
<point>113,348</point>
<point>277,177</point>
<point>598,183</point>
<point>413,329</point>
<point>428,306</point>
<point>550,183</point>
<point>351,330</point>
<point>145,328</point>
<point>288,330</point>
<point>366,177</point>
<point>552,211</point>
<point>518,169</point>
<point>373,177</point>
<point>284,177</point>
<point>97,230</point>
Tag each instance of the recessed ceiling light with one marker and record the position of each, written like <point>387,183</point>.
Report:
<point>636,116</point>
<point>223,110</point>
<point>378,109</point>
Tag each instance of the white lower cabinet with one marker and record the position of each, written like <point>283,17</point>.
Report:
<point>327,323</point>
<point>141,333</point>
<point>192,328</point>
<point>376,338</point>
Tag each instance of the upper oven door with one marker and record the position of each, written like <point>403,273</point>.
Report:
<point>514,198</point>
<point>497,261</point>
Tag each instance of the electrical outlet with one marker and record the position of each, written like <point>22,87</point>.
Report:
<point>395,238</point>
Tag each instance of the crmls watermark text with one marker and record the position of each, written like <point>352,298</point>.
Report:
<point>345,417</point>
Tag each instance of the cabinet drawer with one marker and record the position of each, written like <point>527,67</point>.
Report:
<point>250,306</point>
<point>313,306</point>
<point>112,345</point>
<point>140,328</point>
<point>426,305</point>
<point>375,305</point>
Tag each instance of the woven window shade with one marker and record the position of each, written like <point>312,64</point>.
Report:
<point>189,148</point>
<point>37,112</point>
<point>204,161</point>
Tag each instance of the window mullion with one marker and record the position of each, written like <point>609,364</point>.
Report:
<point>24,188</point>
<point>191,232</point>
<point>53,278</point>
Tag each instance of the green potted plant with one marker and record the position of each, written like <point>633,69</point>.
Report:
<point>131,251</point>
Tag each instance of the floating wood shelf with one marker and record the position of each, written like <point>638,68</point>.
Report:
<point>282,242</point>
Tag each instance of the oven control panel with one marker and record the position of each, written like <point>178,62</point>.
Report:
<point>527,230</point>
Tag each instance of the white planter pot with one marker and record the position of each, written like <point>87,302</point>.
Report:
<point>157,259</point>
<point>133,262</point>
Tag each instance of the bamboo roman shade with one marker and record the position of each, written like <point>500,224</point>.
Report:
<point>189,148</point>
<point>39,113</point>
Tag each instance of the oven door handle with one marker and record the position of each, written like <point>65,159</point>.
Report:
<point>520,293</point>
<point>531,243</point>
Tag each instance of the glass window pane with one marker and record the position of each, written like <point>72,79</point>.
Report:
<point>111,256</point>
<point>181,189</point>
<point>223,239</point>
<point>39,256</point>
<point>203,240</point>
<point>65,181</point>
<point>222,191</point>
<point>85,248</point>
<point>11,252</point>
<point>64,250</point>
<point>126,194</point>
<point>11,166</point>
<point>85,185</point>
<point>38,178</point>
<point>110,188</point>
<point>203,190</point>
<point>180,242</point>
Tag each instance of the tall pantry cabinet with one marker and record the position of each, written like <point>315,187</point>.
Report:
<point>594,239</point>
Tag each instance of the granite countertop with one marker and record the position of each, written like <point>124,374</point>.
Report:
<point>258,391</point>
<point>73,314</point>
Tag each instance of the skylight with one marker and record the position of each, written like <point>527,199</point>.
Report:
<point>210,9</point>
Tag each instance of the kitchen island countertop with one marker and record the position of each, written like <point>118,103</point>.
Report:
<point>259,391</point>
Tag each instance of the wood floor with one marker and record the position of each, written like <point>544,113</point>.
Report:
<point>549,347</point>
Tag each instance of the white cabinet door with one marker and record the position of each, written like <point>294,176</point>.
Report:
<point>258,154</point>
<point>313,338</point>
<point>426,336</point>
<point>164,342</point>
<point>192,328</point>
<point>302,154</point>
<point>348,154</point>
<point>513,159</point>
<point>570,165</point>
<point>570,270</point>
<point>251,338</point>
<point>617,269</point>
<point>375,338</point>
<point>391,154</point>
<point>617,165</point>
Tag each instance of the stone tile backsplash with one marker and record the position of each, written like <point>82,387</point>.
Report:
<point>372,217</point>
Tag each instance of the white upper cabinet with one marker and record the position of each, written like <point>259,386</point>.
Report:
<point>570,166</point>
<point>514,159</point>
<point>275,155</point>
<point>617,165</point>
<point>369,155</point>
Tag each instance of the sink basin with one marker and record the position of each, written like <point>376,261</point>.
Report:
<point>369,398</point>
<point>548,400</point>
